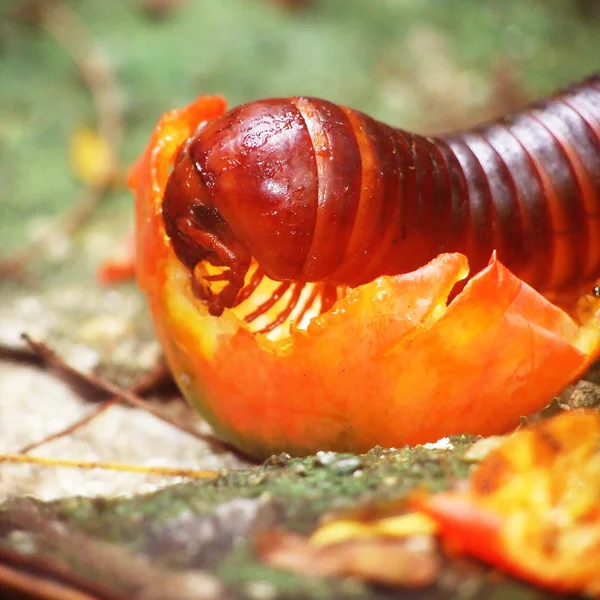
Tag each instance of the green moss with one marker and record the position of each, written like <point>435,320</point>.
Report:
<point>306,487</point>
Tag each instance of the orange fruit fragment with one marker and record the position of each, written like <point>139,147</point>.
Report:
<point>532,507</point>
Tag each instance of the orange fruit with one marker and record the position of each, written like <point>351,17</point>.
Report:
<point>390,364</point>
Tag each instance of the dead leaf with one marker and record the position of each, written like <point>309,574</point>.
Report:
<point>409,562</point>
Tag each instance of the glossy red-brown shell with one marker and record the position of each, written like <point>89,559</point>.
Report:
<point>319,192</point>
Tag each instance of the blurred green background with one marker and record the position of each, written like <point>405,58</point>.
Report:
<point>422,64</point>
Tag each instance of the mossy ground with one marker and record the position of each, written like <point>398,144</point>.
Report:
<point>210,525</point>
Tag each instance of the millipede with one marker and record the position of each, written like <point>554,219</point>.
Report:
<point>321,197</point>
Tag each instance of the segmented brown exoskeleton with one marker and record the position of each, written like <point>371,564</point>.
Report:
<point>309,191</point>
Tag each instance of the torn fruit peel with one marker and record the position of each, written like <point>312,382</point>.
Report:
<point>389,364</point>
<point>532,507</point>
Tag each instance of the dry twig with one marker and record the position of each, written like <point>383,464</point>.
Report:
<point>50,358</point>
<point>107,571</point>
<point>145,385</point>
<point>35,586</point>
<point>64,26</point>
<point>44,461</point>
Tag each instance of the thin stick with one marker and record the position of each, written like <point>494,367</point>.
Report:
<point>45,461</point>
<point>51,358</point>
<point>70,429</point>
<point>107,570</point>
<point>68,30</point>
<point>65,27</point>
<point>35,586</point>
<point>144,384</point>
<point>46,566</point>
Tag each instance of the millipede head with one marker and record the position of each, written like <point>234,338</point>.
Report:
<point>243,188</point>
<point>199,236</point>
<point>244,195</point>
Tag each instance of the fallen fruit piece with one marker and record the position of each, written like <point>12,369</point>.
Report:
<point>406,561</point>
<point>389,364</point>
<point>396,526</point>
<point>119,266</point>
<point>532,507</point>
<point>381,543</point>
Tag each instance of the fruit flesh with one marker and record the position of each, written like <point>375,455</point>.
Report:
<point>389,364</point>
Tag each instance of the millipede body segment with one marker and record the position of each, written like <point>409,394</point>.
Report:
<point>301,190</point>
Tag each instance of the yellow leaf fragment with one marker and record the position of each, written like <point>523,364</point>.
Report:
<point>91,156</point>
<point>399,526</point>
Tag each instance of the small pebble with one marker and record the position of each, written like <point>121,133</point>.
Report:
<point>279,460</point>
<point>324,459</point>
<point>300,469</point>
<point>345,466</point>
<point>256,479</point>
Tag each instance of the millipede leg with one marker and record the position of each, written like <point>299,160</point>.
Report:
<point>307,305</point>
<point>287,311</point>
<point>329,296</point>
<point>226,297</point>
<point>257,277</point>
<point>200,288</point>
<point>217,277</point>
<point>265,306</point>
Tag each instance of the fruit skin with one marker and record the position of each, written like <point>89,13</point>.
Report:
<point>389,365</point>
<point>530,508</point>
